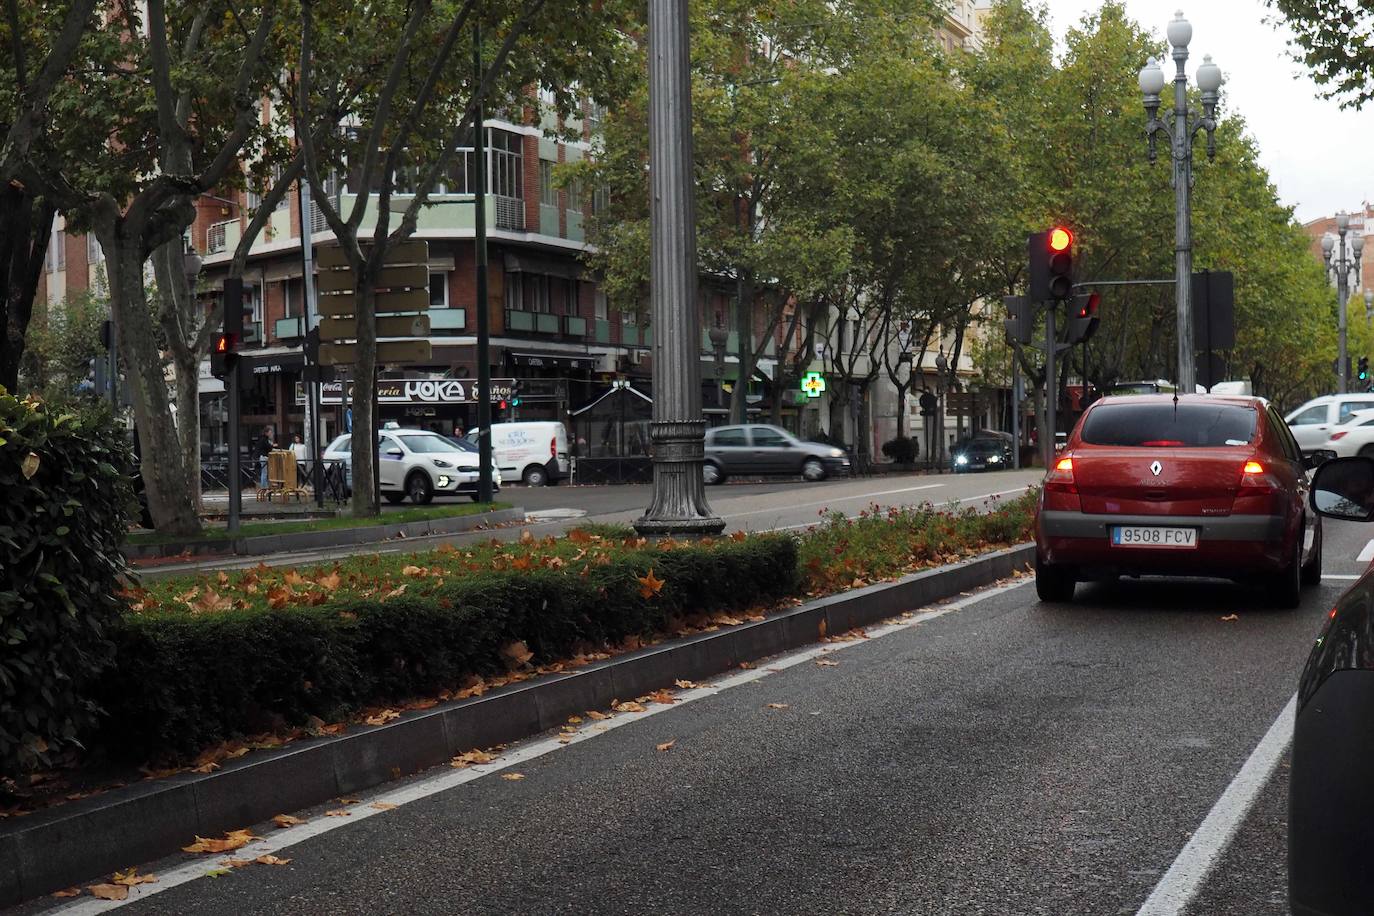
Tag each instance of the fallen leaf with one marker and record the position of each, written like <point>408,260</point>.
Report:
<point>649,586</point>
<point>237,863</point>
<point>216,872</point>
<point>383,717</point>
<point>512,776</point>
<point>206,767</point>
<point>338,812</point>
<point>746,665</point>
<point>665,745</point>
<point>516,653</point>
<point>593,714</point>
<point>574,720</point>
<point>110,891</point>
<point>827,663</point>
<point>471,757</point>
<point>132,878</point>
<point>69,892</point>
<point>382,806</point>
<point>685,684</point>
<point>1230,617</point>
<point>412,571</point>
<point>628,706</point>
<point>285,820</point>
<point>271,860</point>
<point>29,466</point>
<point>777,706</point>
<point>822,628</point>
<point>232,840</point>
<point>663,696</point>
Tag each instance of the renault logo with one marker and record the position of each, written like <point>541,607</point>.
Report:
<point>1155,468</point>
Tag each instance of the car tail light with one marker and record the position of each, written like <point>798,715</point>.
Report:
<point>1340,434</point>
<point>553,447</point>
<point>1254,476</point>
<point>1060,478</point>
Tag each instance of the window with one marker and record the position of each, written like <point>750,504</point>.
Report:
<point>284,201</point>
<point>575,194</point>
<point>57,249</point>
<point>438,290</point>
<point>505,163</point>
<point>286,298</point>
<point>548,194</point>
<point>515,292</point>
<point>1349,407</point>
<point>537,294</point>
<point>769,438</point>
<point>729,437</point>
<point>602,306</point>
<point>1312,416</point>
<point>1164,424</point>
<point>595,115</point>
<point>253,297</point>
<point>94,253</point>
<point>1287,443</point>
<point>601,199</point>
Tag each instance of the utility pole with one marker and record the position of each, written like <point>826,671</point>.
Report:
<point>479,200</point>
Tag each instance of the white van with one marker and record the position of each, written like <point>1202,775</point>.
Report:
<point>535,452</point>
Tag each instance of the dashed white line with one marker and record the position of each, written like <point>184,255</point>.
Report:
<point>1367,554</point>
<point>523,752</point>
<point>1186,876</point>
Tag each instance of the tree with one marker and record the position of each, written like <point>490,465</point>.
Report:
<point>413,122</point>
<point>1333,38</point>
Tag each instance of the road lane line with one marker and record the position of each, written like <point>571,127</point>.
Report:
<point>1185,877</point>
<point>1367,554</point>
<point>1343,576</point>
<point>521,752</point>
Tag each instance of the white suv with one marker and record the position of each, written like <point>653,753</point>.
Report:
<point>1312,422</point>
<point>417,463</point>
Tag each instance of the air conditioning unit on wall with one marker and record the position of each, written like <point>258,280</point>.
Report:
<point>606,362</point>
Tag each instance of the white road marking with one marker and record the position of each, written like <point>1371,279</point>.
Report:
<point>1367,554</point>
<point>833,499</point>
<point>1186,876</point>
<point>1343,576</point>
<point>522,752</point>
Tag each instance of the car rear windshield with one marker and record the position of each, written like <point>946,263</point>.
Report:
<point>1169,424</point>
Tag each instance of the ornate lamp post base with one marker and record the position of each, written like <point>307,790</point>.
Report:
<point>679,502</point>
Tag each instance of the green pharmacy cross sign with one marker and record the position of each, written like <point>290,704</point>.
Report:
<point>813,384</point>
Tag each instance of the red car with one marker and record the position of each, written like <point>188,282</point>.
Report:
<point>1198,485</point>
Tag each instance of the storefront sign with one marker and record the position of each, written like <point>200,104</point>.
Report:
<point>813,384</point>
<point>420,391</point>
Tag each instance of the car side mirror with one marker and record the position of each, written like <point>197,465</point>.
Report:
<point>1343,488</point>
<point>1313,460</point>
<point>395,452</point>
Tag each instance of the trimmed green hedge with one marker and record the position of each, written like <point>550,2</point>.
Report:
<point>64,507</point>
<point>184,681</point>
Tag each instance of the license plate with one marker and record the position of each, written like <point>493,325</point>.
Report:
<point>1150,536</point>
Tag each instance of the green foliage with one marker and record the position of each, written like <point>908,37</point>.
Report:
<point>61,346</point>
<point>185,680</point>
<point>1333,42</point>
<point>902,449</point>
<point>64,513</point>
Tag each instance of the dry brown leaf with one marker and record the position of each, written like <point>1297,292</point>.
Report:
<point>382,806</point>
<point>471,757</point>
<point>821,629</point>
<point>69,892</point>
<point>1230,617</point>
<point>110,891</point>
<point>665,745</point>
<point>574,720</point>
<point>746,665</point>
<point>516,654</point>
<point>383,717</point>
<point>132,878</point>
<point>593,714</point>
<point>684,684</point>
<point>285,820</point>
<point>663,696</point>
<point>512,776</point>
<point>232,840</point>
<point>271,860</point>
<point>236,863</point>
<point>628,706</point>
<point>29,466</point>
<point>777,706</point>
<point>649,585</point>
<point>827,663</point>
<point>338,812</point>
<point>347,801</point>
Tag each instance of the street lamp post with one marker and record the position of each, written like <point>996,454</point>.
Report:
<point>1343,267</point>
<point>1369,308</point>
<point>1180,130</point>
<point>678,505</point>
<point>719,336</point>
<point>941,366</point>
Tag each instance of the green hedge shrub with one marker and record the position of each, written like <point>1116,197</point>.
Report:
<point>63,513</point>
<point>184,681</point>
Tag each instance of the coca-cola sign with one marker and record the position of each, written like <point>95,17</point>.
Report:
<point>420,391</point>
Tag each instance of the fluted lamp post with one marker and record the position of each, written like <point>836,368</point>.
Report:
<point>678,505</point>
<point>1342,266</point>
<point>1369,308</point>
<point>1180,131</point>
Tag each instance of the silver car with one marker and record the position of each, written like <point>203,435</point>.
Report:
<point>417,463</point>
<point>760,450</point>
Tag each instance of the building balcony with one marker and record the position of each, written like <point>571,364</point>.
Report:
<point>447,322</point>
<point>574,326</point>
<point>602,331</point>
<point>223,236</point>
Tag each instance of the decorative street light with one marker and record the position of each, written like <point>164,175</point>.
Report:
<point>1180,130</point>
<point>1342,268</point>
<point>1369,308</point>
<point>678,504</point>
<point>719,336</point>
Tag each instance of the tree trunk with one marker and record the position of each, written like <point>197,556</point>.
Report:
<point>183,320</point>
<point>364,430</point>
<point>744,327</point>
<point>901,410</point>
<point>25,224</point>
<point>171,503</point>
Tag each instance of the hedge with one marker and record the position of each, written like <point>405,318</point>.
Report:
<point>187,680</point>
<point>64,508</point>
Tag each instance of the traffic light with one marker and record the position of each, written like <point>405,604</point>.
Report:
<point>1050,255</point>
<point>515,393</point>
<point>1363,369</point>
<point>1083,318</point>
<point>224,354</point>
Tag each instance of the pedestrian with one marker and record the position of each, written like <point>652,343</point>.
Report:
<point>265,444</point>
<point>302,456</point>
<point>458,429</point>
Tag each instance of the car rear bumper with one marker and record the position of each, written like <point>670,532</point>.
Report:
<point>1331,799</point>
<point>1226,545</point>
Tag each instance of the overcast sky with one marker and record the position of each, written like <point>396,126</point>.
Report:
<point>1314,151</point>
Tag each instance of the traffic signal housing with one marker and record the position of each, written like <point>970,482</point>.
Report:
<point>1083,318</point>
<point>1050,256</point>
<point>515,392</point>
<point>224,354</point>
<point>1362,372</point>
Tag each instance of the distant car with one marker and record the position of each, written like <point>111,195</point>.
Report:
<point>1313,422</point>
<point>983,452</point>
<point>534,451</point>
<point>1353,437</point>
<point>1330,792</point>
<point>416,463</point>
<point>1202,486</point>
<point>763,450</point>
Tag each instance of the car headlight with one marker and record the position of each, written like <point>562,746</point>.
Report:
<point>836,453</point>
<point>961,459</point>
<point>993,459</point>
<point>443,480</point>
<point>440,463</point>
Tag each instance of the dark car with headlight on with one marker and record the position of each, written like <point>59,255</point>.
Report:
<point>980,453</point>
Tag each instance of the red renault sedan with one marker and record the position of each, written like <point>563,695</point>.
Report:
<point>1194,485</point>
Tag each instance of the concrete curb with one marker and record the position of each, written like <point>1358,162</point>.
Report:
<point>262,545</point>
<point>76,842</point>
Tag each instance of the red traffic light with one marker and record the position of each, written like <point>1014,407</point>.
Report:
<point>501,404</point>
<point>1089,307</point>
<point>1060,239</point>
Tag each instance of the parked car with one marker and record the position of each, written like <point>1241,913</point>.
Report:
<point>761,450</point>
<point>981,452</point>
<point>1353,437</point>
<point>1201,486</point>
<point>1330,792</point>
<point>1313,422</point>
<point>535,451</point>
<point>416,463</point>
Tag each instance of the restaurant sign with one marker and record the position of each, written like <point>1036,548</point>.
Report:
<point>419,391</point>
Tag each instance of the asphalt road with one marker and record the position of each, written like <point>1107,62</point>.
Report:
<point>1000,756</point>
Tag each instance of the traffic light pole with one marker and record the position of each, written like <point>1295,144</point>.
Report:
<point>484,475</point>
<point>233,325</point>
<point>1051,387</point>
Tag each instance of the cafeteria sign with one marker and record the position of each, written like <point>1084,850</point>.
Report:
<point>420,391</point>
